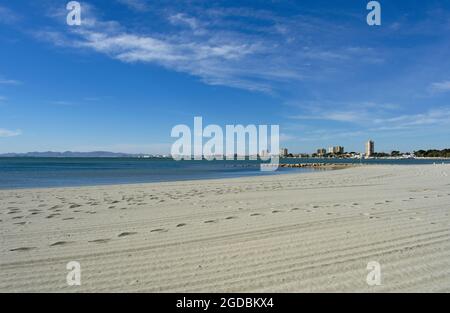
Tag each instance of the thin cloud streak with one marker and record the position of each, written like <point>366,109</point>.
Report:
<point>9,133</point>
<point>440,87</point>
<point>10,82</point>
<point>8,16</point>
<point>369,121</point>
<point>136,5</point>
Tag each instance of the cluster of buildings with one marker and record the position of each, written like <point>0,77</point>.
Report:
<point>338,151</point>
<point>331,150</point>
<point>284,153</point>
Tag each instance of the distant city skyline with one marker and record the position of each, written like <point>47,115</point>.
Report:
<point>132,70</point>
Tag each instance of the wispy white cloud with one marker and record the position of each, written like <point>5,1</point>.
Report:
<point>320,135</point>
<point>9,133</point>
<point>284,137</point>
<point>7,16</point>
<point>184,19</point>
<point>337,116</point>
<point>434,117</point>
<point>407,126</point>
<point>137,5</point>
<point>440,87</point>
<point>377,121</point>
<point>216,47</point>
<point>355,112</point>
<point>62,102</point>
<point>363,120</point>
<point>4,81</point>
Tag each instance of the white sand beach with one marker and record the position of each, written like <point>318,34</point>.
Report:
<point>286,233</point>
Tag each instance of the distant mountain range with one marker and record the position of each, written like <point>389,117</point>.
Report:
<point>70,154</point>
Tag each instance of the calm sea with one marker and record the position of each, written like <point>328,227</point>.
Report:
<point>65,172</point>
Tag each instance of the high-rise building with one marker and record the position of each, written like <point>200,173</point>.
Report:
<point>370,148</point>
<point>284,152</point>
<point>336,150</point>
<point>321,152</point>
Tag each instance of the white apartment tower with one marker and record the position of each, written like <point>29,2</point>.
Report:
<point>370,148</point>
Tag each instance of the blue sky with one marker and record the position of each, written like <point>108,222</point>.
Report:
<point>136,68</point>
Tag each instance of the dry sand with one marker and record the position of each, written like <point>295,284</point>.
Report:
<point>285,233</point>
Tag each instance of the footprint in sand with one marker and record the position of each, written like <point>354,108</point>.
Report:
<point>73,206</point>
<point>276,211</point>
<point>23,249</point>
<point>53,215</point>
<point>126,234</point>
<point>61,243</point>
<point>231,217</point>
<point>181,225</point>
<point>256,214</point>
<point>100,241</point>
<point>210,221</point>
<point>159,230</point>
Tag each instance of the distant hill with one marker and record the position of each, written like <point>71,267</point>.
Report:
<point>70,154</point>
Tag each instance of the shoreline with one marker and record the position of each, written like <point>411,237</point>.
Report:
<point>317,168</point>
<point>320,166</point>
<point>172,182</point>
<point>192,180</point>
<point>37,173</point>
